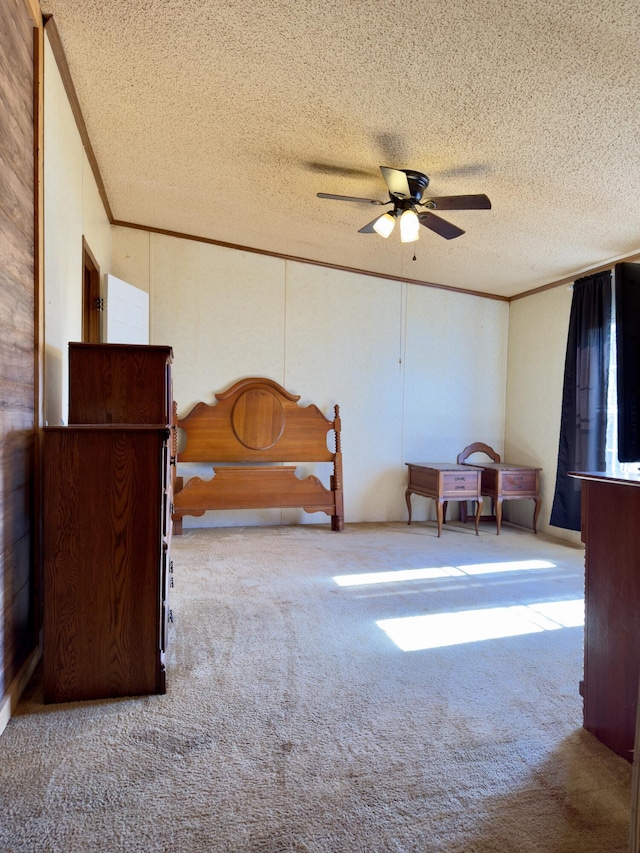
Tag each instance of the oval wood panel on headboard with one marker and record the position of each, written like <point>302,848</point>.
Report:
<point>258,419</point>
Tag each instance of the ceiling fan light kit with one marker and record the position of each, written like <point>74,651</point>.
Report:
<point>406,189</point>
<point>409,226</point>
<point>384,225</point>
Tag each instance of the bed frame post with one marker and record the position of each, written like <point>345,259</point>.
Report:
<point>337,520</point>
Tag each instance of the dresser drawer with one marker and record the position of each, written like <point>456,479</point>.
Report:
<point>457,484</point>
<point>514,482</point>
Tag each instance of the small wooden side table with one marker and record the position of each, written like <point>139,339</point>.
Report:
<point>444,481</point>
<point>502,481</point>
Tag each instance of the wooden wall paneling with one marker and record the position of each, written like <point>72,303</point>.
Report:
<point>32,8</point>
<point>38,307</point>
<point>16,602</point>
<point>19,98</point>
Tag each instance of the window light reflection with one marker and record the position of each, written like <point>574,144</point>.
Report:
<point>413,633</point>
<point>399,575</point>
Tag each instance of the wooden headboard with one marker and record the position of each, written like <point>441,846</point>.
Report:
<point>257,421</point>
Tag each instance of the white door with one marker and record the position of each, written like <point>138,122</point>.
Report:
<point>127,313</point>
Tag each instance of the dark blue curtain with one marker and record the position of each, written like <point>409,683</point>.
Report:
<point>583,423</point>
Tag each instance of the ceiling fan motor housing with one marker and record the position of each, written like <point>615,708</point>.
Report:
<point>418,182</point>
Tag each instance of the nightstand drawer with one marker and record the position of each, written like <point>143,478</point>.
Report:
<point>518,481</point>
<point>455,485</point>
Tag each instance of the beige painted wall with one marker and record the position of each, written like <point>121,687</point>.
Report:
<point>418,372</point>
<point>456,370</point>
<point>72,208</point>
<point>538,330</point>
<point>400,360</point>
<point>343,345</point>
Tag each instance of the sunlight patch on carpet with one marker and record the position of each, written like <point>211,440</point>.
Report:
<point>398,575</point>
<point>412,633</point>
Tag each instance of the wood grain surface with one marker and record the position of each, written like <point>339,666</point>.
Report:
<point>18,571</point>
<point>103,553</point>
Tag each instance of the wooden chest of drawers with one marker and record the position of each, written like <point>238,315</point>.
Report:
<point>444,481</point>
<point>107,488</point>
<point>120,384</point>
<point>106,539</point>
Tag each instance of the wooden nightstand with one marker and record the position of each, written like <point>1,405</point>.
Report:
<point>444,481</point>
<point>503,481</point>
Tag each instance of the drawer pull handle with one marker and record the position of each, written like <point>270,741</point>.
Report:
<point>460,488</point>
<point>518,477</point>
<point>460,478</point>
<point>517,487</point>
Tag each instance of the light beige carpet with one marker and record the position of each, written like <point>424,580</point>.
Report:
<point>294,722</point>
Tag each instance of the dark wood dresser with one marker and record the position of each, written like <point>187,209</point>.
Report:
<point>107,567</point>
<point>611,533</point>
<point>107,481</point>
<point>120,384</point>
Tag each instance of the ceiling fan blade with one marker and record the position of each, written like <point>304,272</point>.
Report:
<point>459,202</point>
<point>396,181</point>
<point>445,229</point>
<point>351,198</point>
<point>368,228</point>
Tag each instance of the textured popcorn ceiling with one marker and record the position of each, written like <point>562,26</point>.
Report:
<point>224,118</point>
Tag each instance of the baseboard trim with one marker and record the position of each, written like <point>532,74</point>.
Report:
<point>9,701</point>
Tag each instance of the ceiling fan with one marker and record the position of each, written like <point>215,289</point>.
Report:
<point>406,190</point>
